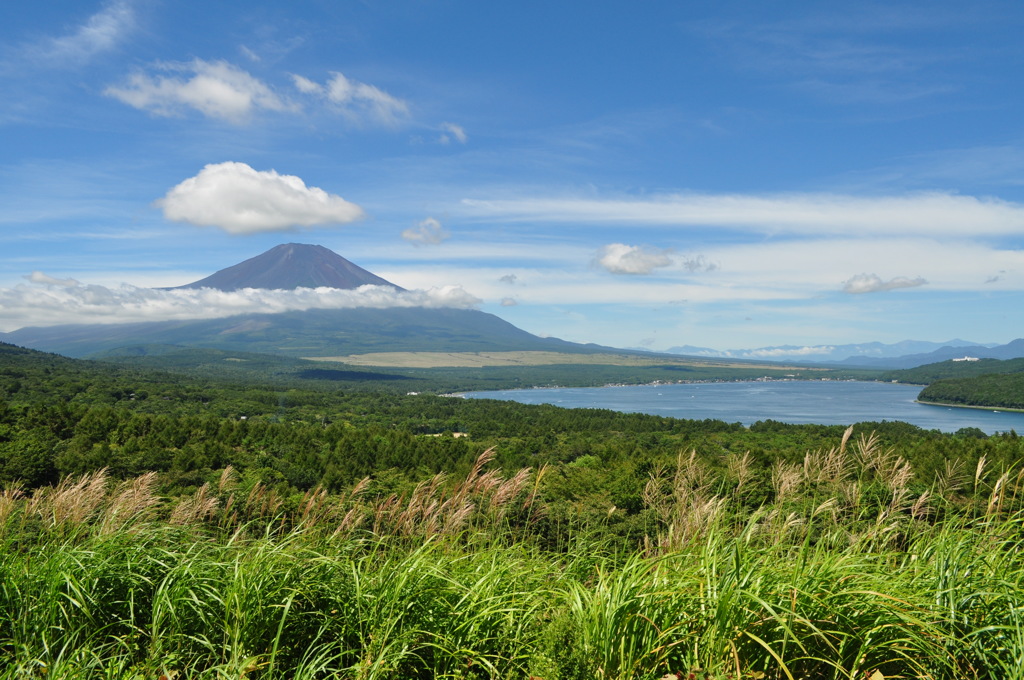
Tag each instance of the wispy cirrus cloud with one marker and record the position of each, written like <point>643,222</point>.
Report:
<point>818,214</point>
<point>863,54</point>
<point>360,103</point>
<point>240,200</point>
<point>103,31</point>
<point>450,132</point>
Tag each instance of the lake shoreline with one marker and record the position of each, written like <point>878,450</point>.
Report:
<point>982,408</point>
<point>797,402</point>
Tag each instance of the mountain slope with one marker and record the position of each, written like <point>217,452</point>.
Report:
<point>316,332</point>
<point>292,265</point>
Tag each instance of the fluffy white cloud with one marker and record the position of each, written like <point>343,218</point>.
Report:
<point>241,200</point>
<point>508,302</point>
<point>216,89</point>
<point>428,232</point>
<point>872,283</point>
<point>619,258</point>
<point>925,214</point>
<point>61,301</point>
<point>359,102</point>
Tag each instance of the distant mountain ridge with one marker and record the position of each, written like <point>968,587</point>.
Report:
<point>289,266</point>
<point>859,353</point>
<point>1011,350</point>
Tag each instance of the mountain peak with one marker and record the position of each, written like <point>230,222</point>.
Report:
<point>292,265</point>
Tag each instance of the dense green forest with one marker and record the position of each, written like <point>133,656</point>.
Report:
<point>279,370</point>
<point>992,390</point>
<point>929,373</point>
<point>160,524</point>
<point>990,383</point>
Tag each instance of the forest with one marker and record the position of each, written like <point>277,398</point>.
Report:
<point>160,524</point>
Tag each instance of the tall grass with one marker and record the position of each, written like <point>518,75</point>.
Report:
<point>845,574</point>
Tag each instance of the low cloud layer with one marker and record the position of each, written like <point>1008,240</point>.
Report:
<point>52,301</point>
<point>216,89</point>
<point>428,232</point>
<point>619,258</point>
<point>872,283</point>
<point>240,200</point>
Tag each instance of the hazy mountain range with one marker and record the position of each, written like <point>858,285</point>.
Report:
<point>893,355</point>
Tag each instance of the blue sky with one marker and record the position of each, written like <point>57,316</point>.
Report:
<point>728,174</point>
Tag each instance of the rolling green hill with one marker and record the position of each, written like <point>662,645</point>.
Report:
<point>929,373</point>
<point>992,390</point>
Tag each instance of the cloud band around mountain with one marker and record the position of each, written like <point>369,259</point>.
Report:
<point>52,301</point>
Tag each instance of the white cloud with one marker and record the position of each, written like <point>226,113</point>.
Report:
<point>872,283</point>
<point>782,352</point>
<point>508,302</point>
<point>618,258</point>
<point>40,277</point>
<point>923,214</point>
<point>360,102</point>
<point>63,301</point>
<point>306,86</point>
<point>428,232</point>
<point>450,131</point>
<point>102,32</point>
<point>216,89</point>
<point>241,200</point>
<point>697,263</point>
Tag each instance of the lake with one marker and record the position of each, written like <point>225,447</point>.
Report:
<point>788,401</point>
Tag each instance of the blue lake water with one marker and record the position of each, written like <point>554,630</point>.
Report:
<point>798,401</point>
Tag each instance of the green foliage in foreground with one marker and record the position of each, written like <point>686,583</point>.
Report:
<point>102,580</point>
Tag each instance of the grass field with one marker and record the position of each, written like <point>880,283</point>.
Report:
<point>835,578</point>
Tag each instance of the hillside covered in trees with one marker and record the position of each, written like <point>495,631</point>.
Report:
<point>992,390</point>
